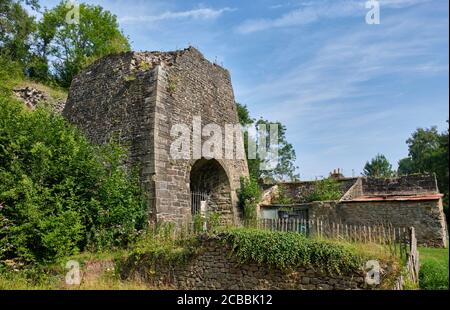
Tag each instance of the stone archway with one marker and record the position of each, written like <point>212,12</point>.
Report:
<point>209,177</point>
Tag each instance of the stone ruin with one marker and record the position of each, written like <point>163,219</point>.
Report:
<point>34,98</point>
<point>136,98</point>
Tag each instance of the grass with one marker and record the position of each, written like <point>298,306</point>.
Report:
<point>95,275</point>
<point>434,268</point>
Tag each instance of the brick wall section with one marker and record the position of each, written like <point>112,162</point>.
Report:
<point>427,217</point>
<point>137,97</point>
<point>298,191</point>
<point>356,190</point>
<point>190,88</point>
<point>404,185</point>
<point>216,268</point>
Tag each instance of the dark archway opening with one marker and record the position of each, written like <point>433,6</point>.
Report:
<point>209,181</point>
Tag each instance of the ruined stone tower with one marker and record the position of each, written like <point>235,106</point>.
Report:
<point>137,98</point>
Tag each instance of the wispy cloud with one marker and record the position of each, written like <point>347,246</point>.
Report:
<point>201,14</point>
<point>303,16</point>
<point>345,93</point>
<point>342,64</point>
<point>312,12</point>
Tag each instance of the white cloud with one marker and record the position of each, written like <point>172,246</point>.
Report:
<point>201,13</point>
<point>344,94</point>
<point>313,12</point>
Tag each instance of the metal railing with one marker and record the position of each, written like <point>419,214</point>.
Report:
<point>197,199</point>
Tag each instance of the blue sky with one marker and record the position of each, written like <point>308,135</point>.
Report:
<point>345,90</point>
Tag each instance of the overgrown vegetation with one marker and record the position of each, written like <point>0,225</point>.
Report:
<point>324,190</point>
<point>249,196</point>
<point>58,193</point>
<point>288,250</point>
<point>52,277</point>
<point>282,198</point>
<point>163,245</point>
<point>10,75</point>
<point>434,269</point>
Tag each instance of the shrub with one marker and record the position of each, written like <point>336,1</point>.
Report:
<point>249,196</point>
<point>11,73</point>
<point>60,194</point>
<point>286,250</point>
<point>162,246</point>
<point>282,198</point>
<point>326,189</point>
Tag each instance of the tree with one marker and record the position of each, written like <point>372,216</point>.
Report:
<point>285,169</point>
<point>76,45</point>
<point>428,153</point>
<point>378,167</point>
<point>16,29</point>
<point>244,115</point>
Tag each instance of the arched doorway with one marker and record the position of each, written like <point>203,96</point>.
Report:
<point>209,182</point>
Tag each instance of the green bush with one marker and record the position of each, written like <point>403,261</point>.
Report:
<point>324,190</point>
<point>162,246</point>
<point>287,250</point>
<point>282,198</point>
<point>11,73</point>
<point>58,193</point>
<point>249,196</point>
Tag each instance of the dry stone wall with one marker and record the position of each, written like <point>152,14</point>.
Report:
<point>427,217</point>
<point>216,268</point>
<point>404,185</point>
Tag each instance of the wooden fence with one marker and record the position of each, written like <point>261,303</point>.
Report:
<point>397,238</point>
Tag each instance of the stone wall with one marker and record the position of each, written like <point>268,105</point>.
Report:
<point>215,268</point>
<point>298,191</point>
<point>427,217</point>
<point>404,185</point>
<point>137,98</point>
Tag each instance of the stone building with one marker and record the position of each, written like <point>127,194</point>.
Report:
<point>408,201</point>
<point>137,98</point>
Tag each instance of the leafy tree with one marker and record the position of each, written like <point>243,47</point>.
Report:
<point>406,166</point>
<point>378,167</point>
<point>16,29</point>
<point>285,168</point>
<point>244,115</point>
<point>428,153</point>
<point>75,45</point>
